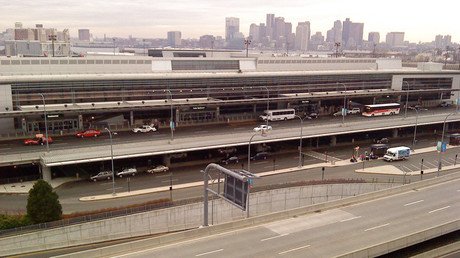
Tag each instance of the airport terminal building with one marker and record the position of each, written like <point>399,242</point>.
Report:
<point>126,91</point>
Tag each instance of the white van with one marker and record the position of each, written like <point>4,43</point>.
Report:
<point>397,153</point>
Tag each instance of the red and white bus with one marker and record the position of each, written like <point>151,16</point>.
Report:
<point>381,109</point>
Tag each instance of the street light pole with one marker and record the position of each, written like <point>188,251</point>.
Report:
<point>249,149</point>
<point>344,110</point>
<point>300,140</point>
<point>171,123</point>
<point>407,99</point>
<point>111,154</point>
<point>442,142</point>
<point>46,122</point>
<point>415,128</point>
<point>247,42</point>
<point>268,102</point>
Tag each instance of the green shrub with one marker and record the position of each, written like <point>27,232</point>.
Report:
<point>13,221</point>
<point>43,204</point>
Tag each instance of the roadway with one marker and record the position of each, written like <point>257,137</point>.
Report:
<point>68,150</point>
<point>328,233</point>
<point>71,192</point>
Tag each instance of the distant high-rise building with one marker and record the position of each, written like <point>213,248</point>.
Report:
<point>174,38</point>
<point>254,32</point>
<point>374,37</point>
<point>335,34</point>
<point>232,28</point>
<point>207,41</point>
<point>352,33</point>
<point>442,42</point>
<point>270,23</point>
<point>84,35</point>
<point>280,27</point>
<point>316,40</point>
<point>395,39</point>
<point>18,25</point>
<point>302,36</point>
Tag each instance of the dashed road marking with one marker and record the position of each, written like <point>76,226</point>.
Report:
<point>210,252</point>
<point>440,209</point>
<point>380,226</point>
<point>345,220</point>
<point>412,203</point>
<point>294,249</point>
<point>270,238</point>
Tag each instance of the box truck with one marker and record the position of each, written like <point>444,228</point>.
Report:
<point>397,153</point>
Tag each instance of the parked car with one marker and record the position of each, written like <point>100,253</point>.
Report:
<point>179,155</point>
<point>312,115</point>
<point>263,128</point>
<point>260,155</point>
<point>102,175</point>
<point>230,160</point>
<point>158,169</point>
<point>38,140</point>
<point>338,113</point>
<point>127,172</point>
<point>382,140</point>
<point>145,129</point>
<point>88,133</point>
<point>445,104</point>
<point>354,111</point>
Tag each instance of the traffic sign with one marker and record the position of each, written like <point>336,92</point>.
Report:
<point>441,146</point>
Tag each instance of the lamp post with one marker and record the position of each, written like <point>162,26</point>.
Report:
<point>249,148</point>
<point>111,154</point>
<point>268,101</point>
<point>53,38</point>
<point>407,99</point>
<point>415,128</point>
<point>300,140</point>
<point>247,42</point>
<point>46,122</point>
<point>171,122</point>
<point>344,110</point>
<point>442,142</point>
<point>113,46</point>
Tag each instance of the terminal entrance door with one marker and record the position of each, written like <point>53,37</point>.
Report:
<point>53,125</point>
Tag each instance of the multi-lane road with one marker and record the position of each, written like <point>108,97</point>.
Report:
<point>67,150</point>
<point>329,233</point>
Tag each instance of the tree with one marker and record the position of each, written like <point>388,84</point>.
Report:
<point>43,204</point>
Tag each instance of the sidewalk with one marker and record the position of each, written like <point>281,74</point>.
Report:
<point>24,187</point>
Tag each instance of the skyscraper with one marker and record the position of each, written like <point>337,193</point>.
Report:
<point>302,36</point>
<point>84,35</point>
<point>279,29</point>
<point>174,38</point>
<point>335,34</point>
<point>254,32</point>
<point>352,33</point>
<point>232,28</point>
<point>374,37</point>
<point>270,23</point>
<point>395,39</point>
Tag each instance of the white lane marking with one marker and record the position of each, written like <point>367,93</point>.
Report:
<point>345,220</point>
<point>261,162</point>
<point>446,161</point>
<point>406,168</point>
<point>412,203</point>
<point>5,149</point>
<point>211,252</point>
<point>414,166</point>
<point>269,238</point>
<point>440,209</point>
<point>271,166</point>
<point>163,176</point>
<point>110,189</point>
<point>431,164</point>
<point>295,249</point>
<point>64,143</point>
<point>381,226</point>
<point>166,181</point>
<point>202,131</point>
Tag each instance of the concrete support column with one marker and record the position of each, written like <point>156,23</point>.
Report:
<point>254,108</point>
<point>317,142</point>
<point>167,160</point>
<point>131,118</point>
<point>394,133</point>
<point>333,141</point>
<point>24,124</point>
<point>217,112</point>
<point>373,100</point>
<point>399,99</point>
<point>80,122</point>
<point>46,173</point>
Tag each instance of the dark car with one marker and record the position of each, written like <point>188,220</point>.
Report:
<point>260,155</point>
<point>230,160</point>
<point>104,175</point>
<point>383,140</point>
<point>312,115</point>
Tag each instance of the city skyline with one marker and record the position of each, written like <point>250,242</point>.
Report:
<point>144,20</point>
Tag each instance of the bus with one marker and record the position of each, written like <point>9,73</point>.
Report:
<point>381,109</point>
<point>278,114</point>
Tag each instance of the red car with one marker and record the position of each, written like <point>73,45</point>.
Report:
<point>38,141</point>
<point>88,133</point>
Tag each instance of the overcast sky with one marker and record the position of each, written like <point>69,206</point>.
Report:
<point>421,20</point>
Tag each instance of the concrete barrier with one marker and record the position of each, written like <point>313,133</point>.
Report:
<point>262,219</point>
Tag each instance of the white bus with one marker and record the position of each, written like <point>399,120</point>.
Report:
<point>381,109</point>
<point>278,114</point>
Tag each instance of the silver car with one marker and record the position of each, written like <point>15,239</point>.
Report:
<point>102,175</point>
<point>158,169</point>
<point>127,172</point>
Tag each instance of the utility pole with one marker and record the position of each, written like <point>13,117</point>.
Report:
<point>373,52</point>
<point>337,45</point>
<point>247,42</point>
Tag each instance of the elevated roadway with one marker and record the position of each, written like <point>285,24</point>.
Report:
<point>83,152</point>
